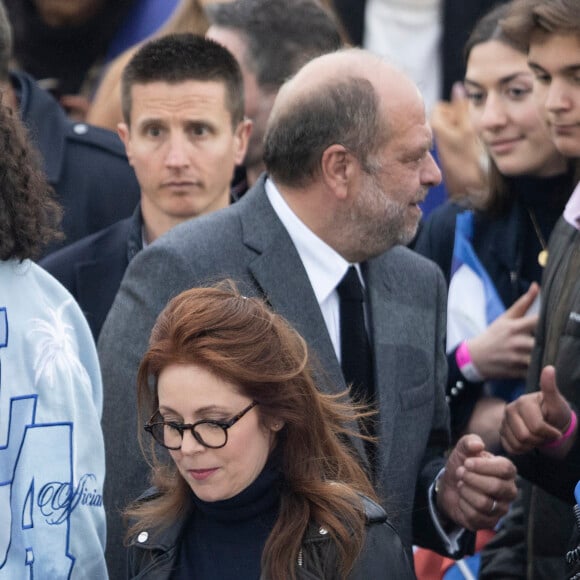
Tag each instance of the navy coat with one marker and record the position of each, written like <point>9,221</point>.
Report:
<point>86,165</point>
<point>91,269</point>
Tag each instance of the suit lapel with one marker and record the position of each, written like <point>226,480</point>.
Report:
<point>280,275</point>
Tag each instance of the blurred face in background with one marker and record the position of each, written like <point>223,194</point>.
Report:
<point>504,113</point>
<point>258,102</point>
<point>58,13</point>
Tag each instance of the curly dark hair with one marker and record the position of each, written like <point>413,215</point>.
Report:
<point>29,214</point>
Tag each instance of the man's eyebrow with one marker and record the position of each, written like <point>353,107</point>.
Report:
<point>571,68</point>
<point>148,120</point>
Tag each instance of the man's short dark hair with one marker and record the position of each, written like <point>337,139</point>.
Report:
<point>282,35</point>
<point>178,58</point>
<point>548,16</point>
<point>345,112</point>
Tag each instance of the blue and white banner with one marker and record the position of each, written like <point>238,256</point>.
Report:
<point>473,302</point>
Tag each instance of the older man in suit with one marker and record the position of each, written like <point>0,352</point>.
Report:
<point>347,152</point>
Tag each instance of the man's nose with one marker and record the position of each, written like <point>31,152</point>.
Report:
<point>177,153</point>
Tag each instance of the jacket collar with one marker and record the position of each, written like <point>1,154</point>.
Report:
<point>46,122</point>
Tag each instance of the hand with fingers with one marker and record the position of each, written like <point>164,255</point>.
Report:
<point>459,148</point>
<point>504,349</point>
<point>541,420</point>
<point>477,487</point>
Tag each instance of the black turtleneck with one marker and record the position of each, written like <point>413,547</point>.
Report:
<point>544,198</point>
<point>225,539</point>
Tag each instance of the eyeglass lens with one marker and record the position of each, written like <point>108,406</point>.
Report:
<point>208,434</point>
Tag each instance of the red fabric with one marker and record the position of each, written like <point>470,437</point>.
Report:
<point>432,566</point>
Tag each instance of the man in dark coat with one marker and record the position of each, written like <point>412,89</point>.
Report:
<point>184,132</point>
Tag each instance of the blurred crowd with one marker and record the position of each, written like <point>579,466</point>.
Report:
<point>289,289</point>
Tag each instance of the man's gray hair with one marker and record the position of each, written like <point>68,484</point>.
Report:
<point>282,35</point>
<point>345,112</point>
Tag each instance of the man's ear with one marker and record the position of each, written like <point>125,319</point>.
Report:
<point>338,167</point>
<point>241,140</point>
<point>125,135</point>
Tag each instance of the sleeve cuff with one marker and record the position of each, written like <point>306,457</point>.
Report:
<point>450,538</point>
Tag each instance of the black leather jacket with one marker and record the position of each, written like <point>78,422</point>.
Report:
<point>152,556</point>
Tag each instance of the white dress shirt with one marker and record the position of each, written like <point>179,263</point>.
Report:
<point>324,266</point>
<point>572,210</point>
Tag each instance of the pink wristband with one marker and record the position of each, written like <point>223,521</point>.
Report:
<point>465,364</point>
<point>566,435</point>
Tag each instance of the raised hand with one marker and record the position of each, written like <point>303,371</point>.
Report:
<point>536,419</point>
<point>504,349</point>
<point>460,150</point>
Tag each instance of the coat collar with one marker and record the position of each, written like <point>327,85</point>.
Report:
<point>278,262</point>
<point>45,120</point>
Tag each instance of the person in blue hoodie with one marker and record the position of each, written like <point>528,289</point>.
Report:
<point>52,463</point>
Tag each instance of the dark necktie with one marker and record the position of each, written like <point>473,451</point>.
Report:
<point>355,351</point>
<point>356,354</point>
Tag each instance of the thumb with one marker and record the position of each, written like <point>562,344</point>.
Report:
<point>470,446</point>
<point>523,303</point>
<point>554,407</point>
<point>549,388</point>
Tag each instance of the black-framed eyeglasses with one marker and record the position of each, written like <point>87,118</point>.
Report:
<point>207,432</point>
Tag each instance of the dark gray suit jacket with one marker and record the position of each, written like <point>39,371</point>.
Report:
<point>248,243</point>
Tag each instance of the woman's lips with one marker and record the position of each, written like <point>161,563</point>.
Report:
<point>201,474</point>
<point>563,129</point>
<point>503,145</point>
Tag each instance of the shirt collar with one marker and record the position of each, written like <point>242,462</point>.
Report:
<point>572,209</point>
<point>324,266</point>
